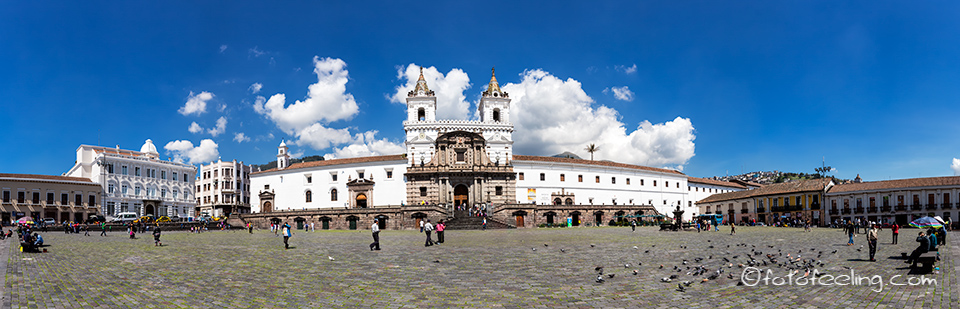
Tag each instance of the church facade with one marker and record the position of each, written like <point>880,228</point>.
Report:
<point>450,163</point>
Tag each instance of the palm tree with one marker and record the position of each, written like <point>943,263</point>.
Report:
<point>591,149</point>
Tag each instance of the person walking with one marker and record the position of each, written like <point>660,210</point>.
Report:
<point>286,235</point>
<point>440,227</point>
<point>872,241</point>
<point>421,225</point>
<point>484,223</point>
<point>633,226</point>
<point>156,237</point>
<point>86,229</point>
<point>896,232</point>
<point>250,227</point>
<point>850,230</point>
<point>132,230</point>
<point>375,230</point>
<point>103,229</point>
<point>428,228</point>
<point>733,228</point>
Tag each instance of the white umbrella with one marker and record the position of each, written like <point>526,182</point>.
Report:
<point>939,219</point>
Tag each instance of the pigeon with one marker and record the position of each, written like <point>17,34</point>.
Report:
<point>611,275</point>
<point>665,279</point>
<point>534,249</point>
<point>834,251</point>
<point>680,288</point>
<point>635,272</point>
<point>639,263</point>
<point>330,257</point>
<point>648,251</point>
<point>592,245</point>
<point>653,246</point>
<point>600,279</point>
<point>626,265</point>
<point>687,283</point>
<point>545,245</point>
<point>661,266</point>
<point>674,276</point>
<point>561,250</point>
<point>635,247</point>
<point>599,269</point>
<point>436,261</point>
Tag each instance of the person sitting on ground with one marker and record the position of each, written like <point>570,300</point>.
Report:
<point>38,240</point>
<point>921,249</point>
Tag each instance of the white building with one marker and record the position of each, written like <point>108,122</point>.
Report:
<point>137,181</point>
<point>223,188</point>
<point>899,200</point>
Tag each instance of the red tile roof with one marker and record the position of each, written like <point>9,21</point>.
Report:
<point>339,161</point>
<point>591,162</point>
<point>45,177</point>
<point>897,183</point>
<point>714,182</point>
<point>773,189</point>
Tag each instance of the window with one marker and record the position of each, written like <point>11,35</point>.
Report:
<point>50,198</point>
<point>461,155</point>
<point>654,183</point>
<point>308,197</point>
<point>136,171</point>
<point>563,177</point>
<point>613,180</point>
<point>266,187</point>
<point>521,176</point>
<point>628,181</point>
<point>110,168</point>
<point>799,201</point>
<point>423,191</point>
<point>499,190</point>
<point>333,176</point>
<point>389,174</point>
<point>136,191</point>
<point>36,197</point>
<point>175,193</point>
<point>21,197</point>
<point>123,170</point>
<point>163,175</point>
<point>678,185</point>
<point>641,182</point>
<point>360,174</point>
<point>666,184</point>
<point>598,179</point>
<point>91,200</point>
<point>6,196</point>
<point>163,193</point>
<point>78,199</point>
<point>543,176</point>
<point>333,195</point>
<point>111,188</point>
<point>579,178</point>
<point>309,179</point>
<point>859,202</point>
<point>64,200</point>
<point>175,176</point>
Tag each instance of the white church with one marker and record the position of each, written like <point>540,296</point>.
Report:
<point>451,163</point>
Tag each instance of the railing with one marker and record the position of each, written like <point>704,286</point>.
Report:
<point>901,208</point>
<point>947,205</point>
<point>761,209</point>
<point>931,206</point>
<point>744,210</point>
<point>834,211</point>
<point>846,211</point>
<point>916,207</point>
<point>814,206</point>
<point>886,208</point>
<point>872,209</point>
<point>858,210</point>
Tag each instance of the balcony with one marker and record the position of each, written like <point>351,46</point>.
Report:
<point>834,211</point>
<point>946,205</point>
<point>761,209</point>
<point>872,209</point>
<point>916,207</point>
<point>931,206</point>
<point>901,208</point>
<point>859,210</point>
<point>846,211</point>
<point>815,206</point>
<point>744,211</point>
<point>886,208</point>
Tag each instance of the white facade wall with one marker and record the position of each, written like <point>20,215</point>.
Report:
<point>290,185</point>
<point>228,183</point>
<point>949,214</point>
<point>700,191</point>
<point>670,189</point>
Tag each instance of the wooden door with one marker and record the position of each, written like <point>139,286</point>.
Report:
<point>519,221</point>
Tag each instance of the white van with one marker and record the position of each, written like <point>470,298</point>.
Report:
<point>125,217</point>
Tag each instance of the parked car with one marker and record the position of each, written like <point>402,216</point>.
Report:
<point>125,217</point>
<point>175,219</point>
<point>49,221</point>
<point>163,219</point>
<point>145,219</point>
<point>95,219</point>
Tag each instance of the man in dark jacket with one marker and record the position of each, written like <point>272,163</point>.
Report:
<point>921,249</point>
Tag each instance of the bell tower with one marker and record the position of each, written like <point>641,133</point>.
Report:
<point>421,124</point>
<point>494,110</point>
<point>283,156</point>
<point>421,102</point>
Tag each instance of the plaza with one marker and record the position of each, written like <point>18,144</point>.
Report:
<point>508,268</point>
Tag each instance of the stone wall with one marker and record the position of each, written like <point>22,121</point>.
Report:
<point>397,217</point>
<point>534,215</point>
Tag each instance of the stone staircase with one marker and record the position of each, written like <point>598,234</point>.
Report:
<point>463,221</point>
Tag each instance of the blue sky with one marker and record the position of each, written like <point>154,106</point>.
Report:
<point>712,87</point>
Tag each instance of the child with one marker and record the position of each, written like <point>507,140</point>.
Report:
<point>156,237</point>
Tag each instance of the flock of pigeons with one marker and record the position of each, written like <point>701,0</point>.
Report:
<point>727,263</point>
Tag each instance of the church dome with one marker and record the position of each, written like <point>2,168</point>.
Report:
<point>149,148</point>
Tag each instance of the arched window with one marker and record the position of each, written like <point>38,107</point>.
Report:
<point>496,114</point>
<point>309,196</point>
<point>421,114</point>
<point>333,195</point>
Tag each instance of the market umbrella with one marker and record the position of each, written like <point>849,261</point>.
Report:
<point>926,222</point>
<point>25,220</point>
<point>939,219</point>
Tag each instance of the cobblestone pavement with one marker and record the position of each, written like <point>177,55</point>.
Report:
<point>477,269</point>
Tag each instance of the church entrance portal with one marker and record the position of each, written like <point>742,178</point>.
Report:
<point>460,194</point>
<point>149,209</point>
<point>361,201</point>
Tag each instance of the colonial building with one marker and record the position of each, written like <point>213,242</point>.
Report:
<point>899,200</point>
<point>137,181</point>
<point>41,196</point>
<point>451,163</point>
<point>223,188</point>
<point>800,200</point>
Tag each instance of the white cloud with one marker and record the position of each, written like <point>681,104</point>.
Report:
<point>222,108</point>
<point>366,144</point>
<point>195,128</point>
<point>258,105</point>
<point>223,48</point>
<point>553,115</point>
<point>326,100</point>
<point>183,149</point>
<point>319,137</point>
<point>626,69</point>
<point>956,167</point>
<point>240,137</point>
<point>256,52</point>
<point>196,103</point>
<point>255,88</point>
<point>221,126</point>
<point>451,103</point>
<point>621,93</point>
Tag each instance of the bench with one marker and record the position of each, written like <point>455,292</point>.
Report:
<point>926,261</point>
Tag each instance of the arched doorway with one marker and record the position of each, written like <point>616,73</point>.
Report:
<point>418,217</point>
<point>325,223</point>
<point>460,194</point>
<point>361,200</point>
<point>575,218</point>
<point>621,216</point>
<point>598,218</point>
<point>550,216</point>
<point>275,221</point>
<point>352,221</point>
<point>556,201</point>
<point>382,221</point>
<point>299,222</point>
<point>519,215</point>
<point>568,201</point>
<point>150,209</point>
<point>267,207</point>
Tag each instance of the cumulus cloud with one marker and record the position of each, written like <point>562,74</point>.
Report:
<point>255,88</point>
<point>258,105</point>
<point>184,151</point>
<point>240,137</point>
<point>366,144</point>
<point>449,88</point>
<point>196,104</point>
<point>621,93</point>
<point>195,128</point>
<point>554,115</point>
<point>221,126</point>
<point>326,100</point>
<point>626,69</point>
<point>956,167</point>
<point>319,137</point>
